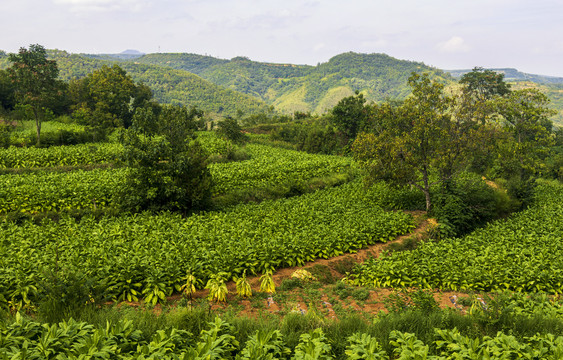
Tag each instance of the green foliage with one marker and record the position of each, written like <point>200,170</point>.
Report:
<point>66,296</point>
<point>468,202</point>
<point>313,346</point>
<point>59,191</point>
<point>363,346</point>
<point>121,338</point>
<point>169,86</point>
<point>189,287</point>
<point>415,143</point>
<point>125,251</point>
<point>267,282</point>
<point>35,81</point>
<point>72,155</point>
<point>168,171</point>
<point>485,84</point>
<point>270,166</point>
<point>408,347</point>
<point>107,98</point>
<point>230,129</point>
<point>418,300</point>
<point>217,287</point>
<point>350,114</point>
<point>7,92</point>
<point>526,120</point>
<point>303,88</point>
<point>265,346</point>
<point>360,294</point>
<point>5,131</point>
<point>313,136</point>
<point>524,255</point>
<point>274,171</point>
<point>243,286</point>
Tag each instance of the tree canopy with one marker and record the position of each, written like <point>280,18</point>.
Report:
<point>35,81</point>
<point>167,168</point>
<point>107,97</point>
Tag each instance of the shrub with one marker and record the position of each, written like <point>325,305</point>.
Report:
<point>468,203</point>
<point>168,168</point>
<point>231,130</point>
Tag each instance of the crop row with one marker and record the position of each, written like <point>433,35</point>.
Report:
<point>54,191</point>
<point>522,253</point>
<point>272,166</point>
<point>79,340</point>
<point>69,155</point>
<point>132,254</point>
<point>86,154</point>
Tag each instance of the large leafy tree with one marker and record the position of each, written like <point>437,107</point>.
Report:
<point>480,89</point>
<point>476,102</point>
<point>484,84</point>
<point>167,166</point>
<point>350,114</point>
<point>35,81</point>
<point>417,142</point>
<point>525,116</point>
<point>107,97</point>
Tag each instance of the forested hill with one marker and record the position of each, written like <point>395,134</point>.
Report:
<point>301,87</point>
<point>515,75</point>
<point>169,85</point>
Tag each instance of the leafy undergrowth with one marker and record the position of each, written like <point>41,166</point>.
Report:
<point>503,326</point>
<point>521,253</point>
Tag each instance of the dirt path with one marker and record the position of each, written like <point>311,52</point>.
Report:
<point>326,299</point>
<point>360,256</point>
<point>422,225</point>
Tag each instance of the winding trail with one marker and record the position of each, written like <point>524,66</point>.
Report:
<point>423,224</point>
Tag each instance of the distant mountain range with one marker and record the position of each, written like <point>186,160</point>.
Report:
<point>223,87</point>
<point>304,88</point>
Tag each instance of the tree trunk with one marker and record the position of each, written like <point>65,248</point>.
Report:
<point>427,195</point>
<point>426,189</point>
<point>38,126</point>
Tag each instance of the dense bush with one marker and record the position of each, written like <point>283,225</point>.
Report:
<point>167,166</point>
<point>312,136</point>
<point>467,203</point>
<point>230,129</point>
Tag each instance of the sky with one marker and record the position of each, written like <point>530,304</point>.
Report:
<point>447,34</point>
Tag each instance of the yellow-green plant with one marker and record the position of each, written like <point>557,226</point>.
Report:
<point>189,287</point>
<point>267,282</point>
<point>243,286</point>
<point>217,288</point>
<point>304,275</point>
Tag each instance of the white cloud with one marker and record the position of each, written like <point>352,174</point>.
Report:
<point>87,6</point>
<point>455,44</point>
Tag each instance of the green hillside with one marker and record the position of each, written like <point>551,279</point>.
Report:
<point>169,85</point>
<point>240,73</point>
<point>300,87</point>
<point>190,62</point>
<point>223,86</point>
